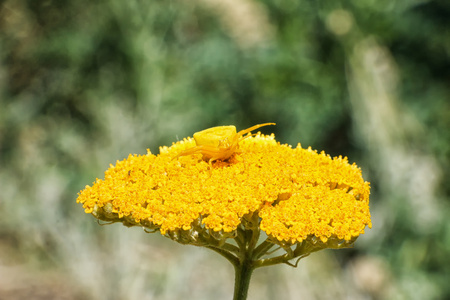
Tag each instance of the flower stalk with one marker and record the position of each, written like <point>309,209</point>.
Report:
<point>243,273</point>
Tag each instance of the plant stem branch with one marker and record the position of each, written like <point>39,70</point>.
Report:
<point>228,255</point>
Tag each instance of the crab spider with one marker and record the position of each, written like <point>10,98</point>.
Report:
<point>218,142</point>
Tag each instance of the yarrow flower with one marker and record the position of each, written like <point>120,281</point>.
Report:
<point>303,201</point>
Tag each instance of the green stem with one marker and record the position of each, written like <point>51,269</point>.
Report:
<point>243,273</point>
<point>262,249</point>
<point>228,255</point>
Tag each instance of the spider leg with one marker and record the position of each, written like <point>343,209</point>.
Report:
<point>190,151</point>
<point>209,152</point>
<point>242,132</point>
<point>214,153</point>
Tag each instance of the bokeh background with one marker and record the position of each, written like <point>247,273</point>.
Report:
<point>85,83</point>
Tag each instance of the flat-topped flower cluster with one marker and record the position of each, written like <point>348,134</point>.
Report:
<point>292,194</point>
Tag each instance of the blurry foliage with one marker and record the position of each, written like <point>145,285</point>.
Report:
<point>84,83</point>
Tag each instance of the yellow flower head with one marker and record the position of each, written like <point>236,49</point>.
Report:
<point>292,194</point>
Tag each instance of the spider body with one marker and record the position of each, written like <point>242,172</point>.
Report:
<point>218,142</point>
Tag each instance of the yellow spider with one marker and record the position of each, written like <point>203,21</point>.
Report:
<point>218,142</point>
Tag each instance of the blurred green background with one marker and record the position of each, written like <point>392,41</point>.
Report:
<point>85,83</point>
